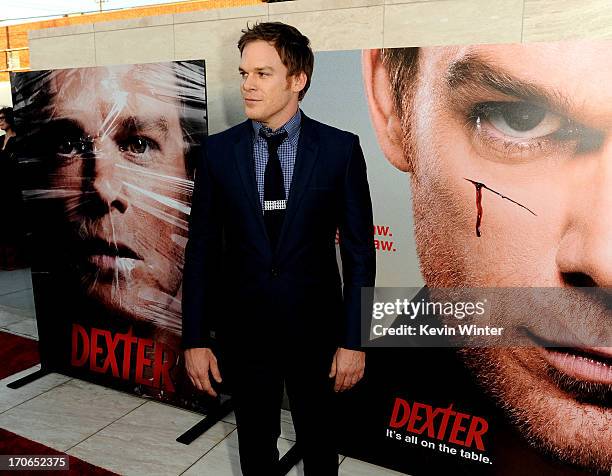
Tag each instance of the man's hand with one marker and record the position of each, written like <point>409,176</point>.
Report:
<point>347,366</point>
<point>199,362</point>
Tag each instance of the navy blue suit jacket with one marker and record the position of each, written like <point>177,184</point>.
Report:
<point>235,283</point>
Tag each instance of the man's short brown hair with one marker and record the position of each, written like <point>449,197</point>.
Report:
<point>402,68</point>
<point>401,65</point>
<point>292,47</point>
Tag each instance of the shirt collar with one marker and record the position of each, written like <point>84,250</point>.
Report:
<point>292,127</point>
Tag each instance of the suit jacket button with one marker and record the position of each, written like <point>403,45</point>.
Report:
<point>274,272</point>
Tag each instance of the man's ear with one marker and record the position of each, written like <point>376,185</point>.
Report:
<point>298,82</point>
<point>387,124</point>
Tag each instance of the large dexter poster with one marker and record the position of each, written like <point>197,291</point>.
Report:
<point>107,158</point>
<point>489,167</point>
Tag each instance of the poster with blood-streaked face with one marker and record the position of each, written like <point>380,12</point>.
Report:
<point>490,169</point>
<point>107,158</point>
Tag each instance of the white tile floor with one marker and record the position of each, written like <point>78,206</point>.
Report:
<point>114,430</point>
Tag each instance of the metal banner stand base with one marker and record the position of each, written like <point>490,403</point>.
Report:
<point>291,458</point>
<point>213,416</point>
<point>20,382</point>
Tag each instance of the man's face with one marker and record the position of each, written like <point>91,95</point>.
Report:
<point>534,123</point>
<point>3,123</point>
<point>269,95</point>
<point>118,166</point>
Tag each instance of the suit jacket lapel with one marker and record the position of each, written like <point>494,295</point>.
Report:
<point>243,155</point>
<point>305,160</point>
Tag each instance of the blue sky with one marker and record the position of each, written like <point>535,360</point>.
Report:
<point>14,11</point>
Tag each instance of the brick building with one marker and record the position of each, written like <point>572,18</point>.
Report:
<point>14,51</point>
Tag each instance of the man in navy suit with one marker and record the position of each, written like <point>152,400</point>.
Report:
<point>261,267</point>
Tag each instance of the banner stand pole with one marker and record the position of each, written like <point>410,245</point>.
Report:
<point>20,382</point>
<point>211,418</point>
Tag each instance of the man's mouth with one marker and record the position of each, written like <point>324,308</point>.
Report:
<point>105,255</point>
<point>593,364</point>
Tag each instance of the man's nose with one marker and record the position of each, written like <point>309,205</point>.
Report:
<point>107,177</point>
<point>249,83</point>
<point>585,253</point>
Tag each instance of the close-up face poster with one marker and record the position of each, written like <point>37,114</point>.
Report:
<point>108,156</point>
<point>489,168</point>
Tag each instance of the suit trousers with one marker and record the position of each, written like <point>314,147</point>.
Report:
<point>256,380</point>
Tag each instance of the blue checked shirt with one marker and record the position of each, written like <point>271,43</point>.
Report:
<point>287,153</point>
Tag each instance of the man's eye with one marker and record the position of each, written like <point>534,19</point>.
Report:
<point>70,146</point>
<point>519,120</point>
<point>134,145</point>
